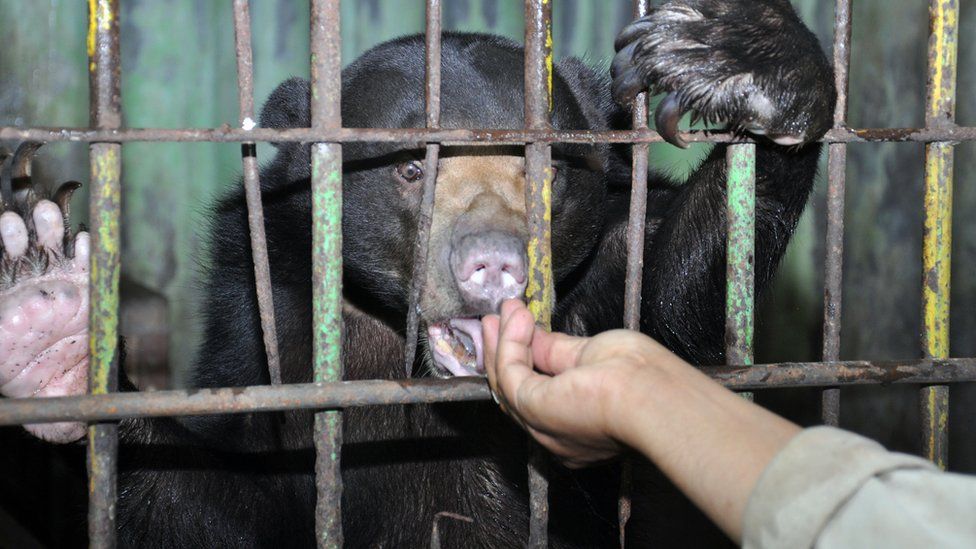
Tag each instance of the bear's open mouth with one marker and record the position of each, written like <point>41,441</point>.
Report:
<point>456,347</point>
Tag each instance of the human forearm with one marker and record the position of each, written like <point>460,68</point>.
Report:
<point>710,442</point>
<point>585,398</point>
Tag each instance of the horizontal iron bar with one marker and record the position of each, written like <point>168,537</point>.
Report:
<point>347,394</point>
<point>226,134</point>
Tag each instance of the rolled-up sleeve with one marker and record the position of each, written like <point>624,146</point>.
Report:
<point>831,488</point>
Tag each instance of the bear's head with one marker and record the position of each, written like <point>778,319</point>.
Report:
<point>479,233</point>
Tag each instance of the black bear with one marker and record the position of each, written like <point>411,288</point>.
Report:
<point>247,480</point>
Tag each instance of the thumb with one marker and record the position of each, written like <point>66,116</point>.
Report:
<point>554,353</point>
<point>513,355</point>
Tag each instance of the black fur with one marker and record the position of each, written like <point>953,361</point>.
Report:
<point>247,480</point>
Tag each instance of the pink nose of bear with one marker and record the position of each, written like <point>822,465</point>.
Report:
<point>489,267</point>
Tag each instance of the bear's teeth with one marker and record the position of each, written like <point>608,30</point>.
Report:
<point>456,349</point>
<point>466,340</point>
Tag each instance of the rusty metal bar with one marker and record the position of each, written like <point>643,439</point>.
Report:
<point>432,97</point>
<point>636,222</point>
<point>836,184</point>
<point>105,205</point>
<point>252,189</point>
<point>460,136</point>
<point>540,292</point>
<point>347,394</point>
<point>937,237</point>
<point>327,263</point>
<point>638,206</point>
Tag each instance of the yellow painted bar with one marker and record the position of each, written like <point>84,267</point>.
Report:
<point>936,248</point>
<point>105,205</point>
<point>539,290</point>
<point>539,293</point>
<point>937,237</point>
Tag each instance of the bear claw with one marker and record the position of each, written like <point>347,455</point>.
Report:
<point>726,60</point>
<point>666,117</point>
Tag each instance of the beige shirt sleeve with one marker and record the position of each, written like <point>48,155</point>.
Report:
<point>830,488</point>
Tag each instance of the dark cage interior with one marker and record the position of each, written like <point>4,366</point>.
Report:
<point>350,353</point>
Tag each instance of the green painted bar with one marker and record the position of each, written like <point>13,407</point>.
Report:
<point>325,40</point>
<point>740,251</point>
<point>327,332</point>
<point>103,336</point>
<point>106,202</point>
<point>327,256</point>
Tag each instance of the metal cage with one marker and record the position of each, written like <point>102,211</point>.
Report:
<point>330,395</point>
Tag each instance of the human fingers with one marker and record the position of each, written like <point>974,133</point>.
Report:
<point>513,355</point>
<point>490,325</point>
<point>507,355</point>
<point>509,307</point>
<point>554,353</point>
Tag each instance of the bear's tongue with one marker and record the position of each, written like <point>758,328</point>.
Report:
<point>456,346</point>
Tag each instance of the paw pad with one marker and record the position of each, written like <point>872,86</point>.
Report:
<point>43,293</point>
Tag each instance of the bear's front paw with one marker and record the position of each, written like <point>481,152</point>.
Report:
<point>43,297</point>
<point>749,63</point>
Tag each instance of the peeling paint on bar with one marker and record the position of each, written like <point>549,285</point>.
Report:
<point>106,199</point>
<point>252,190</point>
<point>327,256</point>
<point>540,292</point>
<point>103,337</point>
<point>539,289</point>
<point>105,205</point>
<point>836,185</point>
<point>741,210</point>
<point>327,264</point>
<point>432,97</point>
<point>327,332</point>
<point>937,236</point>
<point>538,162</point>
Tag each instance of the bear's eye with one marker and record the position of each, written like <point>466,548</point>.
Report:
<point>409,172</point>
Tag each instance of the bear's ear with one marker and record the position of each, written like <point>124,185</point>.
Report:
<point>288,106</point>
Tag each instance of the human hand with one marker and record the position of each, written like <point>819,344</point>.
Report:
<point>584,399</point>
<point>575,400</point>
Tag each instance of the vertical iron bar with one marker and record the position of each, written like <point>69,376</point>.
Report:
<point>252,189</point>
<point>740,279</point>
<point>433,101</point>
<point>636,222</point>
<point>937,237</point>
<point>538,100</point>
<point>327,263</point>
<point>105,204</point>
<point>538,199</point>
<point>836,184</point>
<point>638,206</point>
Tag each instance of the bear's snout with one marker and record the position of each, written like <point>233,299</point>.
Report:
<point>488,268</point>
